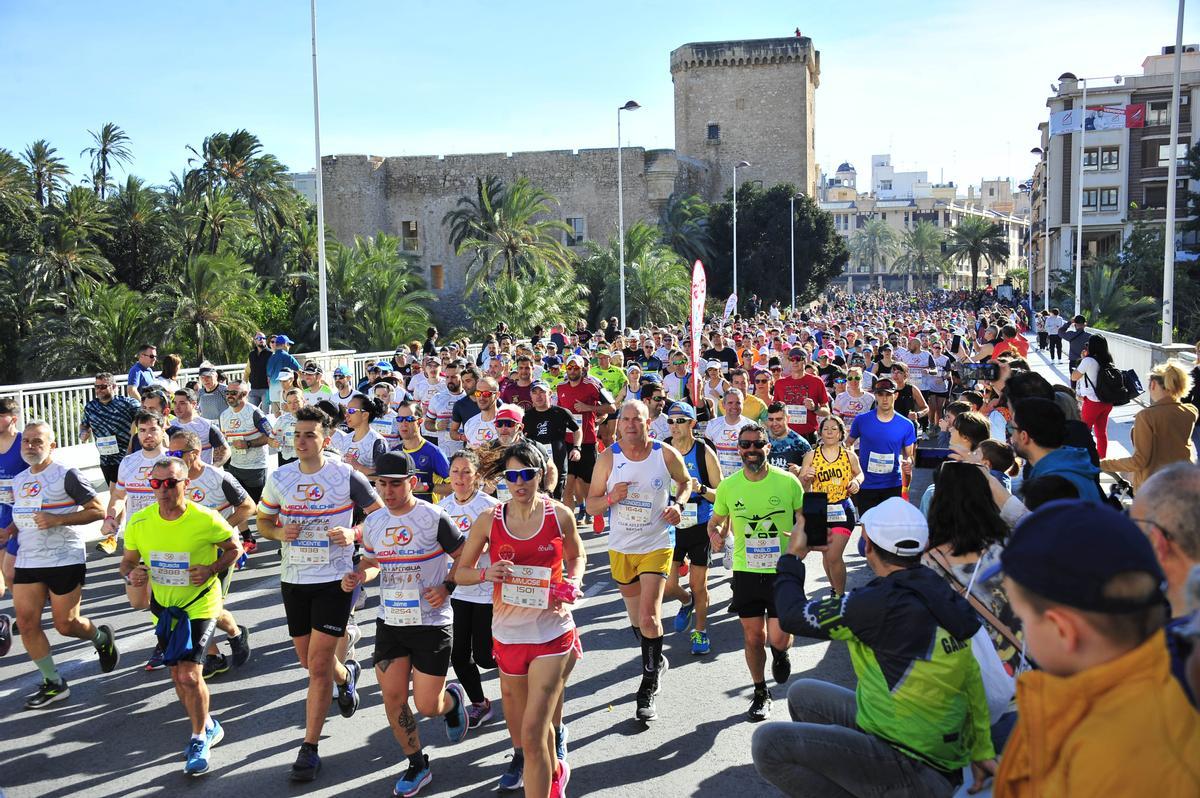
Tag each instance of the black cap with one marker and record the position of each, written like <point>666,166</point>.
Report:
<point>394,465</point>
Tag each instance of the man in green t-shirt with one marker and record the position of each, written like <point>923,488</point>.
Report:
<point>763,504</point>
<point>172,546</point>
<point>613,379</point>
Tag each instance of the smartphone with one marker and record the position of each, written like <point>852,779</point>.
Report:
<point>931,458</point>
<point>980,371</point>
<point>816,519</point>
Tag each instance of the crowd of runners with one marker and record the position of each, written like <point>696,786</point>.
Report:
<point>1018,627</point>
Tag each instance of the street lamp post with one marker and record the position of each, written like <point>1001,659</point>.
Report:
<point>322,291</point>
<point>1168,312</point>
<point>1038,151</point>
<point>736,167</point>
<point>629,106</point>
<point>792,224</point>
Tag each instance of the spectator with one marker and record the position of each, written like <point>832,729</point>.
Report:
<point>1104,716</point>
<point>1037,432</point>
<point>1095,410</point>
<point>170,372</point>
<point>141,373</point>
<point>256,369</point>
<point>1029,385</point>
<point>919,712</point>
<point>1162,432</point>
<point>281,360</point>
<point>1077,338</point>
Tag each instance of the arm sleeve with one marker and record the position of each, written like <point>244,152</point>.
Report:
<point>77,486</point>
<point>216,438</point>
<point>261,423</point>
<point>361,492</point>
<point>1142,438</point>
<point>569,421</point>
<point>449,536</point>
<point>378,449</point>
<point>235,494</point>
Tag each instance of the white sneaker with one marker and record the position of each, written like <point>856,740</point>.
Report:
<point>729,552</point>
<point>353,635</point>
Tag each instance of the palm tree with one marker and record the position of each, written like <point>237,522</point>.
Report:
<point>206,303</point>
<point>976,239</point>
<point>921,252</point>
<point>657,289</point>
<point>224,160</point>
<point>1111,303</point>
<point>47,171</point>
<point>27,299</point>
<point>600,268</point>
<point>112,146</point>
<point>139,243</point>
<point>875,244</point>
<point>469,211</point>
<point>16,187</point>
<point>684,226</point>
<point>83,215</point>
<point>545,298</point>
<point>69,260</point>
<point>515,237</point>
<point>215,217</point>
<point>103,328</point>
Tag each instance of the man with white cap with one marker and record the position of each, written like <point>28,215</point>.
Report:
<point>919,713</point>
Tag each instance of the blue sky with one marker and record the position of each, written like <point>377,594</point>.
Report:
<point>954,88</point>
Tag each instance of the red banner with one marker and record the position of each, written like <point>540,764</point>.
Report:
<point>699,292</point>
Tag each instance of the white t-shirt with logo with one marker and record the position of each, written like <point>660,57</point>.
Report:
<point>58,490</point>
<point>463,515</point>
<point>413,554</point>
<point>133,477</point>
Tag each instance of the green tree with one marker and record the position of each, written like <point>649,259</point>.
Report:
<point>657,289</point>
<point>139,247</point>
<point>545,298</point>
<point>203,306</point>
<point>470,214</point>
<point>1110,303</point>
<point>684,224</point>
<point>102,327</point>
<point>27,300</point>
<point>977,239</point>
<point>111,147</point>
<point>921,253</point>
<point>600,268</point>
<point>875,244</point>
<point>47,171</point>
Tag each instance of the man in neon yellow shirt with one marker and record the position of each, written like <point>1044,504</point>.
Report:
<point>613,379</point>
<point>172,546</point>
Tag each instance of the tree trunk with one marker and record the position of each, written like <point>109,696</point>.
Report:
<point>974,272</point>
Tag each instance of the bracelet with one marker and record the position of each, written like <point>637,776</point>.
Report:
<point>482,574</point>
<point>608,500</point>
<point>110,518</point>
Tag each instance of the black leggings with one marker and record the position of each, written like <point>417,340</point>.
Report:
<point>472,648</point>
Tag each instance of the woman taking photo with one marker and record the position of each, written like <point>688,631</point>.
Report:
<point>833,469</point>
<point>1094,412</point>
<point>1162,432</point>
<point>535,547</point>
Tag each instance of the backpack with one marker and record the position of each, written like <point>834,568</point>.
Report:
<point>1111,387</point>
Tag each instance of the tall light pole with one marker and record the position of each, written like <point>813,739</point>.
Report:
<point>629,106</point>
<point>1038,151</point>
<point>1028,186</point>
<point>322,291</point>
<point>792,224</point>
<point>736,167</point>
<point>1168,313</point>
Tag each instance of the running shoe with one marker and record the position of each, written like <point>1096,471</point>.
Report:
<point>514,778</point>
<point>215,665</point>
<point>307,764</point>
<point>728,553</point>
<point>413,779</point>
<point>360,598</point>
<point>155,663</point>
<point>249,546</point>
<point>457,719</point>
<point>700,644</point>
<point>760,706</point>
<point>107,545</point>
<point>560,742</point>
<point>781,666</point>
<point>49,693</point>
<point>353,635</point>
<point>240,646</point>
<point>683,618</point>
<point>347,697</point>
<point>242,562</point>
<point>197,757</point>
<point>215,732</point>
<point>646,710</point>
<point>106,650</point>
<point>558,785</point>
<point>478,714</point>
<point>5,634</point>
<point>663,665</point>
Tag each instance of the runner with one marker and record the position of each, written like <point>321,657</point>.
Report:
<point>804,395</point>
<point>283,431</point>
<point>887,442</point>
<point>49,501</point>
<point>361,446</point>
<point>308,506</point>
<point>342,388</point>
<point>584,398</point>
<point>432,467</point>
<point>722,432</point>
<point>216,450</point>
<point>215,489</point>
<point>613,378</point>
<point>11,464</point>
<point>761,504</point>
<point>132,491</point>
<point>173,544</point>
<point>549,425</point>
<point>211,395</point>
<point>788,450</point>
<point>383,420</point>
<point>249,434</point>
<point>410,542</point>
<point>441,408</point>
<point>691,536</point>
<point>480,428</point>
<point>833,469</point>
<point>107,419</point>
<point>535,549</point>
<point>631,483</point>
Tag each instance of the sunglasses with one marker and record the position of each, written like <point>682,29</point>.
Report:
<point>100,385</point>
<point>762,382</point>
<point>484,394</point>
<point>797,359</point>
<point>839,382</point>
<point>350,411</point>
<point>657,399</point>
<point>178,452</point>
<point>521,474</point>
<point>406,419</point>
<point>854,379</point>
<point>679,420</point>
<point>505,423</point>
<point>169,482</point>
<point>678,362</point>
<point>752,444</point>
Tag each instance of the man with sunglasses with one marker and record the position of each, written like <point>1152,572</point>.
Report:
<point>249,433</point>
<point>141,373</point>
<point>510,429</point>
<point>647,359</point>
<point>675,381</point>
<point>481,427</point>
<point>173,546</point>
<point>309,506</point>
<point>256,369</point>
<point>210,397</point>
<point>656,400</point>
<point>612,376</point>
<point>631,483</point>
<point>108,419</point>
<point>585,399</point>
<point>440,412</point>
<point>432,469</point>
<point>803,394</point>
<point>215,489</point>
<point>215,450</point>
<point>886,444</point>
<point>342,389</point>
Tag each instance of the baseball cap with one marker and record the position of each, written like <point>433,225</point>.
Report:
<point>206,371</point>
<point>825,353</point>
<point>280,338</point>
<point>539,385</point>
<point>383,365</point>
<point>682,409</point>
<point>652,376</point>
<point>394,465</point>
<point>1067,551</point>
<point>312,368</point>
<point>897,526</point>
<point>713,364</point>
<point>577,360</point>
<point>603,352</point>
<point>341,371</point>
<point>632,367</point>
<point>797,351</point>
<point>286,374</point>
<point>511,413</point>
<point>402,350</point>
<point>552,361</point>
<point>884,385</point>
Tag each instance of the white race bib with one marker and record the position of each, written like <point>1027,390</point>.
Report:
<point>836,513</point>
<point>23,509</point>
<point>384,428</point>
<point>107,444</point>
<point>170,568</point>
<point>6,491</point>
<point>312,547</point>
<point>634,510</point>
<point>502,492</point>
<point>881,463</point>
<point>400,595</point>
<point>797,414</point>
<point>691,515</point>
<point>527,586</point>
<point>729,461</point>
<point>762,553</point>
<point>578,419</point>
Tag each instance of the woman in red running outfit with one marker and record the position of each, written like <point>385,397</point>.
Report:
<point>534,546</point>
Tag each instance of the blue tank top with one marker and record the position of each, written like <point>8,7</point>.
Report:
<point>704,507</point>
<point>11,464</point>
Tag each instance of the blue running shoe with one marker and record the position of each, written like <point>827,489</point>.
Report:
<point>197,757</point>
<point>457,721</point>
<point>683,618</point>
<point>215,733</point>
<point>347,694</point>
<point>700,644</point>
<point>307,764</point>
<point>514,778</point>
<point>413,779</point>
<point>560,743</point>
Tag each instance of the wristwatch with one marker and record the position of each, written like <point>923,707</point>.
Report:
<point>450,585</point>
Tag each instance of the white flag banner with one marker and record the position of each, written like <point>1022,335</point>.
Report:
<point>730,305</point>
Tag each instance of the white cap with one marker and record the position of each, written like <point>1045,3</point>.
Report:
<point>713,364</point>
<point>897,526</point>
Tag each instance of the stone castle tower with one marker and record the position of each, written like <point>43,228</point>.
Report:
<point>749,100</point>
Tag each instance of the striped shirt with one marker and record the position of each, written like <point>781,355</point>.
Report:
<point>114,419</point>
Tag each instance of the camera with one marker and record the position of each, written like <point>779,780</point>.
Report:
<point>978,371</point>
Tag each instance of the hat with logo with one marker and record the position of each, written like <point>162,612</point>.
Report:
<point>511,413</point>
<point>713,364</point>
<point>383,365</point>
<point>539,385</point>
<point>341,371</point>
<point>682,409</point>
<point>312,368</point>
<point>577,360</point>
<point>884,385</point>
<point>897,526</point>
<point>394,465</point>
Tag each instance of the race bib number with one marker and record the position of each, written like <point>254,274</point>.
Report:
<point>502,492</point>
<point>23,510</point>
<point>691,515</point>
<point>762,553</point>
<point>634,510</point>
<point>836,513</point>
<point>136,502</point>
<point>527,586</point>
<point>170,568</point>
<point>797,414</point>
<point>6,491</point>
<point>312,546</point>
<point>384,428</point>
<point>578,419</point>
<point>400,596</point>
<point>881,463</point>
<point>107,444</point>
<point>729,462</point>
